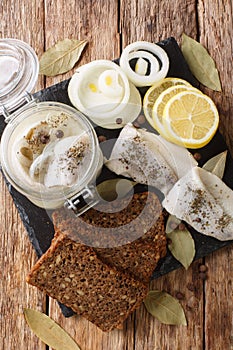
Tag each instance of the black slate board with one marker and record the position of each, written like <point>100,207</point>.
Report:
<point>37,221</point>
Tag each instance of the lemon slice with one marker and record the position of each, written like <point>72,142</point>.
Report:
<point>154,91</point>
<point>190,119</point>
<point>160,103</point>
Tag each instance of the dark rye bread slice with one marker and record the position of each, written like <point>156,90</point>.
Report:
<point>71,273</point>
<point>139,226</point>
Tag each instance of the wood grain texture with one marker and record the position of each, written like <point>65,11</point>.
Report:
<point>216,23</point>
<point>110,25</point>
<point>23,20</point>
<point>219,300</point>
<point>187,286</point>
<point>16,253</point>
<point>96,21</point>
<point>215,27</point>
<point>156,20</point>
<point>16,258</point>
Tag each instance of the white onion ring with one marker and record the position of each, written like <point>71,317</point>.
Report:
<point>154,64</point>
<point>141,66</point>
<point>88,69</point>
<point>154,76</point>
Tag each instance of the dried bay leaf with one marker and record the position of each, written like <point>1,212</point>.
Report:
<point>61,57</point>
<point>111,189</point>
<point>200,63</point>
<point>216,164</point>
<point>49,331</point>
<point>165,308</point>
<point>182,246</point>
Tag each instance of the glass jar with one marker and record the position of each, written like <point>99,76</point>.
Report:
<point>49,151</point>
<point>19,69</point>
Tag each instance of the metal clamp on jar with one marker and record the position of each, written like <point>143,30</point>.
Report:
<point>49,151</point>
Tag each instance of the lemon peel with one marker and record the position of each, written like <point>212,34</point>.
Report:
<point>153,93</point>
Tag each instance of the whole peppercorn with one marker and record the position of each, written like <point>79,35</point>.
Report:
<point>119,120</point>
<point>203,268</point>
<point>141,119</point>
<point>44,139</point>
<point>197,156</point>
<point>179,296</point>
<point>181,226</point>
<point>102,138</point>
<point>136,125</point>
<point>59,134</point>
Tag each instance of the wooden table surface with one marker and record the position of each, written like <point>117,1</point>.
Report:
<point>109,26</point>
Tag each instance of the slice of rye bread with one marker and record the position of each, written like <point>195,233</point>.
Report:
<point>139,227</point>
<point>72,273</point>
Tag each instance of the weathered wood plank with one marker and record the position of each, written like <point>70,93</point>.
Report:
<point>96,21</point>
<point>16,259</point>
<point>23,20</point>
<point>156,20</point>
<point>216,23</point>
<point>219,300</point>
<point>188,288</point>
<point>17,255</point>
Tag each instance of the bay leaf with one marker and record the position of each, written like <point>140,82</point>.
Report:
<point>111,189</point>
<point>49,331</point>
<point>182,246</point>
<point>217,164</point>
<point>200,63</point>
<point>61,57</point>
<point>172,223</point>
<point>165,308</point>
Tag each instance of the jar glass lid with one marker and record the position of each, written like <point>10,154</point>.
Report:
<point>19,69</point>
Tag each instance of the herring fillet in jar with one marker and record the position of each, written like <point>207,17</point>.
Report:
<point>50,152</point>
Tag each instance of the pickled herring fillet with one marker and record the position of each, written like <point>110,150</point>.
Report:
<point>203,200</point>
<point>69,161</point>
<point>148,159</point>
<point>178,158</point>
